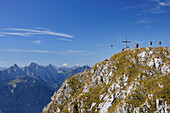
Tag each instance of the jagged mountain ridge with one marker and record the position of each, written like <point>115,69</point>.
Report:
<point>28,89</point>
<point>49,75</point>
<point>23,95</point>
<point>132,81</point>
<point>11,73</point>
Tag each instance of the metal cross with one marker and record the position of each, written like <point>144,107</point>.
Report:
<point>126,42</point>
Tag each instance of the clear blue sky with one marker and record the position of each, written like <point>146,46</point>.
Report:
<point>78,32</point>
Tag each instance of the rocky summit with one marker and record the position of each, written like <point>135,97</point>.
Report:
<point>134,81</point>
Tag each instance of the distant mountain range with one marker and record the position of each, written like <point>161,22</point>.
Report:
<point>28,89</point>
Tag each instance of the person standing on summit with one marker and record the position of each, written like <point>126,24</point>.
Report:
<point>137,45</point>
<point>159,43</point>
<point>150,44</point>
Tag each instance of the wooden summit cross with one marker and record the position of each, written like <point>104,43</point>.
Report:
<point>126,42</point>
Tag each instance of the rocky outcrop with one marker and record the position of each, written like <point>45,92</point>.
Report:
<point>132,81</point>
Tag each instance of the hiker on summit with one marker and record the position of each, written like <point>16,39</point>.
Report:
<point>123,49</point>
<point>127,48</point>
<point>159,43</point>
<point>137,45</point>
<point>150,44</point>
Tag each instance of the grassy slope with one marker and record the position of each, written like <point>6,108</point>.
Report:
<point>124,66</point>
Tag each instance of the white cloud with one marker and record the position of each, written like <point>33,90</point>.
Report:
<point>43,28</point>
<point>28,32</point>
<point>157,9</point>
<point>71,52</point>
<point>81,52</point>
<point>69,40</point>
<point>76,51</point>
<point>65,64</point>
<point>77,64</point>
<point>2,35</point>
<point>37,42</point>
<point>143,21</point>
<point>26,51</point>
<point>34,61</point>
<point>18,34</point>
<point>136,6</point>
<point>164,4</point>
<point>159,5</point>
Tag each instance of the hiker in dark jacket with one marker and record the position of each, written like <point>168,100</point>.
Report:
<point>137,45</point>
<point>150,44</point>
<point>123,49</point>
<point>159,43</point>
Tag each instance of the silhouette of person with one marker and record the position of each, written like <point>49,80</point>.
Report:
<point>150,44</point>
<point>137,45</point>
<point>123,49</point>
<point>159,43</point>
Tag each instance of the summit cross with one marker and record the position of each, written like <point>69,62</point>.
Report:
<point>126,41</point>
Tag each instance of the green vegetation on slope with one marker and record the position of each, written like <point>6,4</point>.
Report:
<point>129,72</point>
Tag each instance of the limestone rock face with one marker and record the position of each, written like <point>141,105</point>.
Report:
<point>133,81</point>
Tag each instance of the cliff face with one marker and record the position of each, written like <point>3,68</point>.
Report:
<point>134,81</point>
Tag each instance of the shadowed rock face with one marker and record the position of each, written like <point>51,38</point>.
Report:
<point>23,95</point>
<point>29,89</point>
<point>132,81</point>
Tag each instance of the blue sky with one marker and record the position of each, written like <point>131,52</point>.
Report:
<point>78,32</point>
